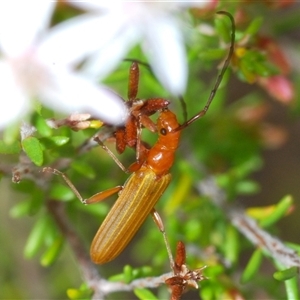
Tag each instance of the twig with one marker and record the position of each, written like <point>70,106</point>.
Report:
<point>249,227</point>
<point>262,239</point>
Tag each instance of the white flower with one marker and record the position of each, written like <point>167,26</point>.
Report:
<point>35,63</point>
<point>155,24</point>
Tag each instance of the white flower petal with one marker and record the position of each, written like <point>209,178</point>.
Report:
<point>72,93</point>
<point>13,102</point>
<point>21,22</point>
<point>71,41</point>
<point>106,60</point>
<point>198,4</point>
<point>96,5</point>
<point>165,50</point>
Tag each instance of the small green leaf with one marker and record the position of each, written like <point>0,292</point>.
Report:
<point>264,69</point>
<point>232,245</point>
<point>247,187</point>
<point>13,148</point>
<point>252,266</point>
<point>42,126</point>
<point>83,293</point>
<point>142,272</point>
<point>128,276</point>
<point>75,294</point>
<point>34,150</point>
<point>254,26</point>
<point>20,209</point>
<point>52,252</point>
<point>61,192</point>
<point>36,237</point>
<point>280,210</point>
<point>145,294</point>
<point>54,141</point>
<point>59,140</point>
<point>286,274</point>
<point>117,277</point>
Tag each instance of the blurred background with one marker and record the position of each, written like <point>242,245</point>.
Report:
<point>276,122</point>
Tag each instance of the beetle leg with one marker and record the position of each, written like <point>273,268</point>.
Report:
<point>67,180</point>
<point>103,195</point>
<point>95,198</point>
<point>159,223</point>
<point>111,154</point>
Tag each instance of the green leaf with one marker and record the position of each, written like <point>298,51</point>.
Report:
<point>280,210</point>
<point>20,209</point>
<point>34,150</point>
<point>36,237</point>
<point>232,245</point>
<point>286,274</point>
<point>254,26</point>
<point>13,148</point>
<point>128,276</point>
<point>54,141</point>
<point>52,252</point>
<point>117,277</point>
<point>142,272</point>
<point>80,294</point>
<point>252,266</point>
<point>145,294</point>
<point>42,126</point>
<point>60,140</point>
<point>61,192</point>
<point>247,187</point>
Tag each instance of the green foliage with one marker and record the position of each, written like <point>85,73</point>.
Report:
<point>253,266</point>
<point>144,294</point>
<point>34,150</point>
<point>129,274</point>
<point>286,274</point>
<point>79,294</point>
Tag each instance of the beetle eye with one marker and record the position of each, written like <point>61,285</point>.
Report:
<point>163,131</point>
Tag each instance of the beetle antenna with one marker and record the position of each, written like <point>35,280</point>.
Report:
<point>219,78</point>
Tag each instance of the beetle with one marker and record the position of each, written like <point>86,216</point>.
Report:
<point>145,186</point>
